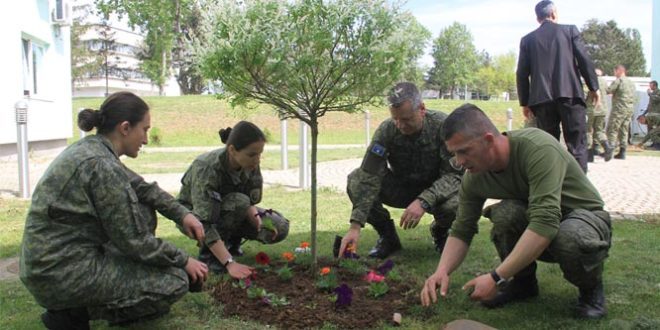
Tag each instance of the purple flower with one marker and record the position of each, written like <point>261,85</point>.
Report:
<point>265,301</point>
<point>385,267</point>
<point>344,295</point>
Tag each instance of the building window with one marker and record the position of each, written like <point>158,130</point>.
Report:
<point>33,58</point>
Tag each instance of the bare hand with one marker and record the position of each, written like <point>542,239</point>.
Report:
<point>527,112</point>
<point>484,287</point>
<point>352,237</point>
<point>196,270</point>
<point>254,217</point>
<point>239,271</point>
<point>193,228</point>
<point>642,119</point>
<point>428,294</point>
<point>411,216</point>
<point>595,97</point>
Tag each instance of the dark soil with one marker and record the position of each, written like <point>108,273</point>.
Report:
<point>312,308</point>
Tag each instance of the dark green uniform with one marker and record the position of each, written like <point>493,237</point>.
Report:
<point>623,101</point>
<point>220,197</point>
<point>652,115</point>
<point>418,168</point>
<point>596,115</point>
<point>89,238</point>
<point>543,189</point>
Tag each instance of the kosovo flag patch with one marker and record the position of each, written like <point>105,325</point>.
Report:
<point>378,150</point>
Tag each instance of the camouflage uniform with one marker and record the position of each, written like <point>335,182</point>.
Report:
<point>220,197</point>
<point>623,101</point>
<point>596,116</point>
<point>652,115</point>
<point>418,168</point>
<point>89,238</point>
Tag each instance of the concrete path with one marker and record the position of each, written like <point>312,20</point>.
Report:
<point>629,187</point>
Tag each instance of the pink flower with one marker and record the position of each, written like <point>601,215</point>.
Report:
<point>373,277</point>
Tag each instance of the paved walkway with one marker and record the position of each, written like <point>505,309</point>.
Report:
<point>627,186</point>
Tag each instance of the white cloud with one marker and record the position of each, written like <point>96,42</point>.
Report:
<point>498,25</point>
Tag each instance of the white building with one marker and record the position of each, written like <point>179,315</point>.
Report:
<point>124,72</point>
<point>35,63</point>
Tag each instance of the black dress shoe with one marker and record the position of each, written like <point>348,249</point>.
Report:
<point>591,303</point>
<point>517,289</point>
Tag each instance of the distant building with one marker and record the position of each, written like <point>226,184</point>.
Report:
<point>36,67</point>
<point>123,44</point>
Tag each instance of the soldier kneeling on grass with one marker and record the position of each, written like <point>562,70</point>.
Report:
<point>222,188</point>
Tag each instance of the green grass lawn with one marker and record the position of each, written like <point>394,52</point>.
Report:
<point>632,280</point>
<point>194,120</point>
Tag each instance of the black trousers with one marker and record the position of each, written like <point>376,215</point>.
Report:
<point>571,114</point>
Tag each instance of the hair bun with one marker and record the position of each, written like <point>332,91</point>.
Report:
<point>88,119</point>
<point>224,134</point>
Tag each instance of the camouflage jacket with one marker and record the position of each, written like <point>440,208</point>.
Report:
<point>87,199</point>
<point>599,109</point>
<point>419,160</point>
<point>654,103</point>
<point>211,173</point>
<point>623,95</point>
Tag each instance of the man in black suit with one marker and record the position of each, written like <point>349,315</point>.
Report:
<point>551,60</point>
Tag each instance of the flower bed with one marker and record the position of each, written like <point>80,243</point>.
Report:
<point>349,293</point>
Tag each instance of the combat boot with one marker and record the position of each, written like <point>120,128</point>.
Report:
<point>621,154</point>
<point>590,155</point>
<point>388,242</point>
<point>440,238</point>
<point>591,303</point>
<point>234,246</point>
<point>210,260</point>
<point>609,150</point>
<point>520,288</point>
<point>66,319</point>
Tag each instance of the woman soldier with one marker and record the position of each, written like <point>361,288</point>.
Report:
<point>222,187</point>
<point>89,250</point>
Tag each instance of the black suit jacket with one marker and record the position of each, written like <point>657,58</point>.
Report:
<point>550,62</point>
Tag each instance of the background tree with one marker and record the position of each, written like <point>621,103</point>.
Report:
<point>171,30</point>
<point>309,57</point>
<point>454,57</point>
<point>608,46</point>
<point>85,62</point>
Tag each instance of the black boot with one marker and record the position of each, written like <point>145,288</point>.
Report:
<point>596,149</point>
<point>66,319</point>
<point>609,150</point>
<point>388,242</point>
<point>520,288</point>
<point>234,246</point>
<point>210,260</point>
<point>591,303</point>
<point>590,155</point>
<point>440,238</point>
<point>621,154</point>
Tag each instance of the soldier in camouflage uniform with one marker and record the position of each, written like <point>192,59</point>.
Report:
<point>549,211</point>
<point>623,101</point>
<point>596,120</point>
<point>651,117</point>
<point>222,188</point>
<point>419,177</point>
<point>89,249</point>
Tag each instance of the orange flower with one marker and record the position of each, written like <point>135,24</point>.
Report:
<point>304,245</point>
<point>350,248</point>
<point>325,270</point>
<point>288,256</point>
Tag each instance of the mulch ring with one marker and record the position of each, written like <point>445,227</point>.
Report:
<point>312,308</point>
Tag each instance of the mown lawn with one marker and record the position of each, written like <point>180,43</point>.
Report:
<point>632,280</point>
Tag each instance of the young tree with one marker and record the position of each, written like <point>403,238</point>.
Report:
<point>455,59</point>
<point>309,57</point>
<point>609,46</point>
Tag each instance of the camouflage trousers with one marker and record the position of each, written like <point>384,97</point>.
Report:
<point>580,247</point>
<point>653,125</point>
<point>233,223</point>
<point>595,129</point>
<point>399,194</point>
<point>617,128</point>
<point>120,289</point>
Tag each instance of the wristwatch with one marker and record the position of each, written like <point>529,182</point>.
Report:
<point>500,282</point>
<point>230,260</point>
<point>425,205</point>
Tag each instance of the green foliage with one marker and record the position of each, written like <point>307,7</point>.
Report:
<point>455,59</point>
<point>285,273</point>
<point>155,136</point>
<point>394,276</point>
<point>354,266</point>
<point>84,61</point>
<point>327,282</point>
<point>378,289</point>
<point>609,46</point>
<point>266,297</point>
<point>498,75</point>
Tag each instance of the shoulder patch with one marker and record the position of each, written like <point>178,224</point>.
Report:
<point>378,149</point>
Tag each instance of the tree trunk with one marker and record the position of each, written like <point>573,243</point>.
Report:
<point>315,133</point>
<point>163,76</point>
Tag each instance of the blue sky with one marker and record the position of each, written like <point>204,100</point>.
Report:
<point>498,25</point>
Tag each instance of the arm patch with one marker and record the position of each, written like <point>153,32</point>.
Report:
<point>374,161</point>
